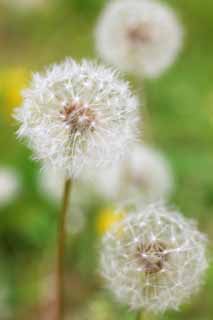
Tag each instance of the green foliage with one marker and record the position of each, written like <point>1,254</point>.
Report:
<point>85,6</point>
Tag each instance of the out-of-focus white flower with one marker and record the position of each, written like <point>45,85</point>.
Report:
<point>139,36</point>
<point>143,172</point>
<point>25,5</point>
<point>51,183</point>
<point>9,185</point>
<point>154,259</point>
<point>78,116</point>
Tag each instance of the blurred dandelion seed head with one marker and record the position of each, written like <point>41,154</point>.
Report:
<point>144,171</point>
<point>155,261</point>
<point>78,115</point>
<point>9,185</point>
<point>50,183</point>
<point>149,172</point>
<point>139,36</point>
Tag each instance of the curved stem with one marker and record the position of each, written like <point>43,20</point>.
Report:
<point>61,249</point>
<point>138,315</point>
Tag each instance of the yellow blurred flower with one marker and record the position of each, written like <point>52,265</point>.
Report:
<point>106,218</point>
<point>12,82</point>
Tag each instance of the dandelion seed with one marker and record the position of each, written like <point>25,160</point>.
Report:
<point>139,36</point>
<point>72,126</point>
<point>153,272</point>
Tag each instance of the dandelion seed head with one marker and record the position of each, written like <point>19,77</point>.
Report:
<point>139,36</point>
<point>78,115</point>
<point>143,171</point>
<point>9,185</point>
<point>150,173</point>
<point>154,273</point>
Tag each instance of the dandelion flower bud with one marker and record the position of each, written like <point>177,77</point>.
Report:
<point>153,259</point>
<point>139,36</point>
<point>78,115</point>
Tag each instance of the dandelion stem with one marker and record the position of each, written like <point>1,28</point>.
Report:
<point>138,315</point>
<point>61,249</point>
<point>146,129</point>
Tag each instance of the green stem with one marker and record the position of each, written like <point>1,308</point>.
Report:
<point>146,123</point>
<point>138,315</point>
<point>61,249</point>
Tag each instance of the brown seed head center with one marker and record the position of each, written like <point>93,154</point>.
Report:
<point>139,34</point>
<point>78,117</point>
<point>152,256</point>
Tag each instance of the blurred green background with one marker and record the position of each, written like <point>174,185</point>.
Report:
<point>180,107</point>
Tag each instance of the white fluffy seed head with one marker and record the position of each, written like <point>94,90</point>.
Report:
<point>9,185</point>
<point>143,172</point>
<point>139,36</point>
<point>78,115</point>
<point>154,259</point>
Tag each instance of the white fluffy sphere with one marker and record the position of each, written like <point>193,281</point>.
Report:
<point>154,259</point>
<point>78,116</point>
<point>144,172</point>
<point>9,185</point>
<point>139,36</point>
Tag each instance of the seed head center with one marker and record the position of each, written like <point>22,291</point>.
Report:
<point>139,34</point>
<point>152,256</point>
<point>78,116</point>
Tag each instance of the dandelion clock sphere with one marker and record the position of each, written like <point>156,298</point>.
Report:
<point>138,36</point>
<point>153,259</point>
<point>78,115</point>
